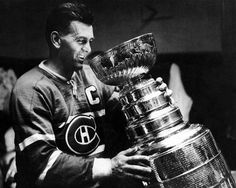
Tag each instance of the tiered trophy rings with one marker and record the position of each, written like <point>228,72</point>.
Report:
<point>182,155</point>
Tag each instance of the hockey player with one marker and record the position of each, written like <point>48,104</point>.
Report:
<point>58,114</point>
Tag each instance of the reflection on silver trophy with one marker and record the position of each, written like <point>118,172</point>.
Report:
<point>182,155</point>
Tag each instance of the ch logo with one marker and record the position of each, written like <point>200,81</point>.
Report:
<point>85,134</point>
<point>81,136</point>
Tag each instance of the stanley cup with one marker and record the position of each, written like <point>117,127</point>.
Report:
<point>182,155</point>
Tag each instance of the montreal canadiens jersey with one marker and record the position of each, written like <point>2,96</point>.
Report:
<point>59,127</point>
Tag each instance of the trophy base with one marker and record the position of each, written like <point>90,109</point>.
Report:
<point>182,155</point>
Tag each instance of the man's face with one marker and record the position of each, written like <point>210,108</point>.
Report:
<point>75,45</point>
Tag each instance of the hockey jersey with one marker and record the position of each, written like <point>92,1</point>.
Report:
<point>58,125</point>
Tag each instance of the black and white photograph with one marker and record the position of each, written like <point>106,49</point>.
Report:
<point>117,94</point>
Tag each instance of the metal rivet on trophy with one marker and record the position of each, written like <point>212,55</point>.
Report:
<point>182,155</point>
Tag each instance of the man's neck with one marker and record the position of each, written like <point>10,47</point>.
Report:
<point>57,67</point>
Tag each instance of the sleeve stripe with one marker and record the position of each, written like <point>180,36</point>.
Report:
<point>99,149</point>
<point>34,138</point>
<point>51,161</point>
<point>115,95</point>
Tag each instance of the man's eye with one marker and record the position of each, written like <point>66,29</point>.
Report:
<point>81,41</point>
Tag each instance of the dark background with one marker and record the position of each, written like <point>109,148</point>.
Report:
<point>198,35</point>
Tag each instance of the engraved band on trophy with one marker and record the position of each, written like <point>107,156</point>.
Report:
<point>182,155</point>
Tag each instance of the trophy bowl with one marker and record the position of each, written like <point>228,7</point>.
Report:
<point>126,60</point>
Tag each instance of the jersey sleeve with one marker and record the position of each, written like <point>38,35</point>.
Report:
<point>39,161</point>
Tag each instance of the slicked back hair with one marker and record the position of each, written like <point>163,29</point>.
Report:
<point>61,16</point>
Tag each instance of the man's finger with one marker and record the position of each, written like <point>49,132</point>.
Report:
<point>129,151</point>
<point>137,176</point>
<point>138,169</point>
<point>137,158</point>
<point>163,86</point>
<point>168,93</point>
<point>159,80</point>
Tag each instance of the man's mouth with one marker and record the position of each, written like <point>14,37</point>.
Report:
<point>81,59</point>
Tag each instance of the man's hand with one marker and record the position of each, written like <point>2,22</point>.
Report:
<point>128,163</point>
<point>10,175</point>
<point>163,87</point>
<point>8,165</point>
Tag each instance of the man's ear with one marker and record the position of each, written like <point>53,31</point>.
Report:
<point>55,39</point>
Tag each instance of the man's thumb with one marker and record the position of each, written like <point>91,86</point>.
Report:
<point>130,151</point>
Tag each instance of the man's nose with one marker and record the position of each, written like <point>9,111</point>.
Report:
<point>87,47</point>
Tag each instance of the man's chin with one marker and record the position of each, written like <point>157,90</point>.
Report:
<point>78,66</point>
